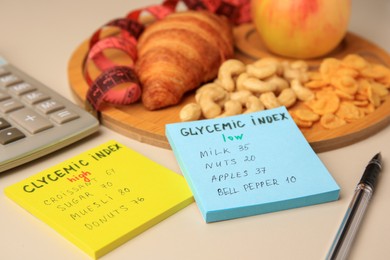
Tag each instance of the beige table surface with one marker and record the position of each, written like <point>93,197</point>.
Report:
<point>39,36</point>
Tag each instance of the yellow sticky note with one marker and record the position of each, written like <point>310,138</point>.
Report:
<point>101,198</point>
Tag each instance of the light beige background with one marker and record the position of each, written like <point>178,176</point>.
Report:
<point>39,36</point>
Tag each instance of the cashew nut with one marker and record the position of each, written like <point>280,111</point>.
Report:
<point>190,112</point>
<point>253,104</point>
<point>295,72</point>
<point>287,97</point>
<point>240,79</point>
<point>241,96</point>
<point>208,101</point>
<point>299,65</point>
<point>270,60</point>
<point>278,83</point>
<point>269,100</point>
<point>219,88</point>
<point>227,71</point>
<point>231,107</point>
<point>303,93</point>
<point>261,72</point>
<point>258,86</point>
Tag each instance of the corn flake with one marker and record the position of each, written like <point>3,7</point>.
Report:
<point>306,115</point>
<point>349,112</point>
<point>379,89</point>
<point>317,83</point>
<point>300,122</point>
<point>375,71</point>
<point>329,66</point>
<point>328,103</point>
<point>346,84</point>
<point>331,121</point>
<point>354,61</point>
<point>367,109</point>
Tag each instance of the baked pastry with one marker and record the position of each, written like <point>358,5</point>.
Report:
<point>179,53</point>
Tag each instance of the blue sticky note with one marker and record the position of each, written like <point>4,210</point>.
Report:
<point>249,164</point>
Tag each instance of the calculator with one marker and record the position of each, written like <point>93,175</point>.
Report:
<point>34,119</point>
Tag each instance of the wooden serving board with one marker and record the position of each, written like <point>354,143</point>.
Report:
<point>146,126</point>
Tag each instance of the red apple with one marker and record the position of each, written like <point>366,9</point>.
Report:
<point>301,28</point>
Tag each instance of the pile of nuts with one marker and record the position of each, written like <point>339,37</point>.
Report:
<point>339,92</point>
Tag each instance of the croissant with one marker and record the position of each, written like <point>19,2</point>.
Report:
<point>179,53</point>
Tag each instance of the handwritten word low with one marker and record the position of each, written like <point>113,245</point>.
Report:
<point>227,138</point>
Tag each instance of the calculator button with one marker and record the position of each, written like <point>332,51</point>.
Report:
<point>64,116</point>
<point>30,120</point>
<point>4,96</point>
<point>3,123</point>
<point>8,80</point>
<point>49,106</point>
<point>10,135</point>
<point>10,105</point>
<point>35,97</point>
<point>21,88</point>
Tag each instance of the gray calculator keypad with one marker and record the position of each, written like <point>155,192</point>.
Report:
<point>34,119</point>
<point>28,107</point>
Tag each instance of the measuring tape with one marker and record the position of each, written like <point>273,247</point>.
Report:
<point>119,84</point>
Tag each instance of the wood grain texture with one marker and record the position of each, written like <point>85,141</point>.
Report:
<point>148,127</point>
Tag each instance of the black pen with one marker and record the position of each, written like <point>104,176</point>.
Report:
<point>357,208</point>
